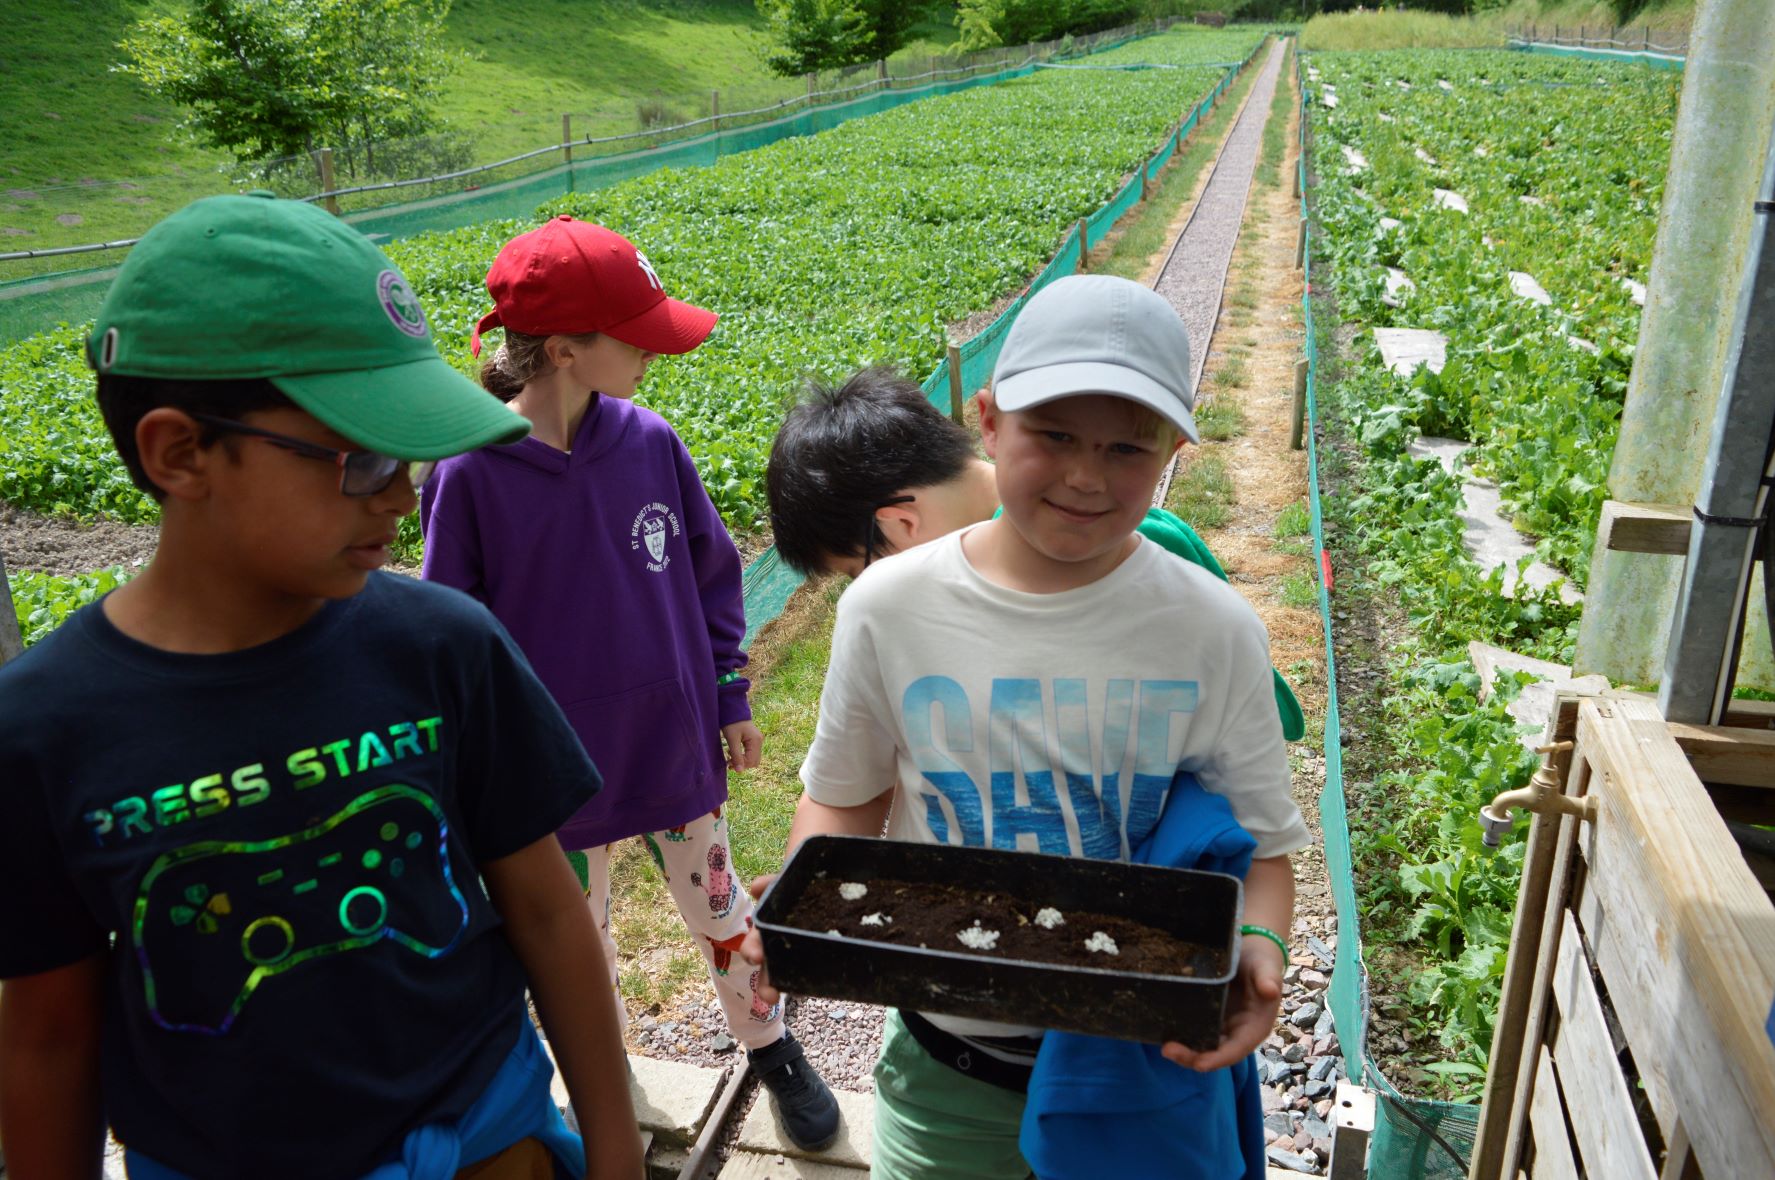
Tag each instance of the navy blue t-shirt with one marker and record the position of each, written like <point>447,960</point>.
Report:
<point>280,847</point>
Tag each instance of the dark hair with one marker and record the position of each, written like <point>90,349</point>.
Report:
<point>519,359</point>
<point>841,453</point>
<point>125,400</point>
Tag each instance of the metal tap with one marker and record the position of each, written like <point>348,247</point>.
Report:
<point>1542,794</point>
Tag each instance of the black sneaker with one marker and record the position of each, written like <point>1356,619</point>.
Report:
<point>805,1105</point>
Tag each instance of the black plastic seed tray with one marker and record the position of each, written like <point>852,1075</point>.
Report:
<point>1196,907</point>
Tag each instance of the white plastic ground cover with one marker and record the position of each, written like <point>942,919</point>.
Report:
<point>1385,118</point>
<point>1425,156</point>
<point>1449,199</point>
<point>1583,345</point>
<point>1489,537</point>
<point>1355,159</point>
<point>1399,285</point>
<point>1404,349</point>
<point>1527,200</point>
<point>1329,99</point>
<point>1523,285</point>
<point>1387,225</point>
<point>1636,291</point>
<point>1445,84</point>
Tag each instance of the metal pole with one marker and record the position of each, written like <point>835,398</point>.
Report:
<point>1704,637</point>
<point>1723,126</point>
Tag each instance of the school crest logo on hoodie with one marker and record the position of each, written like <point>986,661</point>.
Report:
<point>652,525</point>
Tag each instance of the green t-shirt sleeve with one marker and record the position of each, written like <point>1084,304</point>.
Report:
<point>1168,530</point>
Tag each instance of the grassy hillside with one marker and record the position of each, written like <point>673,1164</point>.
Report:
<point>1427,30</point>
<point>91,156</point>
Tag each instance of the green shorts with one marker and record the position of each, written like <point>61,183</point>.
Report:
<point>932,1123</point>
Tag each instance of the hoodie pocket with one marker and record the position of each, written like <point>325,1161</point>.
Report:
<point>643,741</point>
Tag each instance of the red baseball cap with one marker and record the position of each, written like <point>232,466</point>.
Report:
<point>569,277</point>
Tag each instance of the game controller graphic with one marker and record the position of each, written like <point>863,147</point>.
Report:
<point>214,920</point>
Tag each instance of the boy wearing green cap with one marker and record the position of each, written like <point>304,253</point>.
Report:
<point>278,855</point>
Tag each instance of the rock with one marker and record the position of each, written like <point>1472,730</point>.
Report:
<point>1322,1107</point>
<point>1319,1089</point>
<point>1269,1136</point>
<point>1294,1052</point>
<point>1273,1100</point>
<point>1324,1045</point>
<point>1322,1027</point>
<point>1273,1070</point>
<point>1304,1016</point>
<point>1323,1069</point>
<point>1290,1161</point>
<point>1324,953</point>
<point>1279,1122</point>
<point>722,1043</point>
<point>670,1026</point>
<point>839,1014</point>
<point>1317,1126</point>
<point>1322,1149</point>
<point>648,1024</point>
<point>1303,1142</point>
<point>1313,979</point>
<point>1291,975</point>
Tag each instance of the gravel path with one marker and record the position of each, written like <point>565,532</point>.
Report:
<point>1195,272</point>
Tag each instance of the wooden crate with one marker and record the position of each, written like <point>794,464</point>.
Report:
<point>1636,1040</point>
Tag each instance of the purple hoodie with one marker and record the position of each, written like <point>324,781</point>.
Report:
<point>612,570</point>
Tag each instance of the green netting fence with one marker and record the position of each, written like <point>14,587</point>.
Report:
<point>38,303</point>
<point>768,582</point>
<point>1659,61</point>
<point>1414,1138</point>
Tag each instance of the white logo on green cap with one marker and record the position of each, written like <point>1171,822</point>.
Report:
<point>400,303</point>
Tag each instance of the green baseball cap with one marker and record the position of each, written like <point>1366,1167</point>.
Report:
<point>240,287</point>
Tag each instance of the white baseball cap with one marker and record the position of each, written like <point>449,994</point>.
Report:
<point>1098,334</point>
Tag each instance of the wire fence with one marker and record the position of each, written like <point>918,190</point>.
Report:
<point>361,177</point>
<point>1629,39</point>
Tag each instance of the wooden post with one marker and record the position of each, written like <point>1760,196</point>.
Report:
<point>566,139</point>
<point>1645,38</point>
<point>11,642</point>
<point>881,73</point>
<point>810,89</point>
<point>1145,165</point>
<point>715,108</point>
<point>1084,251</point>
<point>957,406</point>
<point>1300,243</point>
<point>324,158</point>
<point>1297,426</point>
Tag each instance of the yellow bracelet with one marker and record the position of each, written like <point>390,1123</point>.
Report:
<point>1266,932</point>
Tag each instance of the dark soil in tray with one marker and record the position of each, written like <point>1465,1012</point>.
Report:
<point>938,917</point>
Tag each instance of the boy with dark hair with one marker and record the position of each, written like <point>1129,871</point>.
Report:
<point>1049,681</point>
<point>279,856</point>
<point>872,468</point>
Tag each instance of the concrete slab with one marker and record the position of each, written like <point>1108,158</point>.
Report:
<point>1399,285</point>
<point>1387,225</point>
<point>1445,84</point>
<point>1523,285</point>
<point>1386,118</point>
<point>1425,156</point>
<point>1449,199</point>
<point>1528,200</point>
<point>750,1165</point>
<point>1404,349</point>
<point>1329,99</point>
<point>672,1099</point>
<point>1404,85</point>
<point>1355,160</point>
<point>1635,291</point>
<point>1489,537</point>
<point>1583,345</point>
<point>1535,703</point>
<point>1444,450</point>
<point>856,1131</point>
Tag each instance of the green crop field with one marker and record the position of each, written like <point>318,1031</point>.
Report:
<point>1560,165</point>
<point>822,254</point>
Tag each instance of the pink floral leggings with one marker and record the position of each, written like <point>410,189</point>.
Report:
<point>697,866</point>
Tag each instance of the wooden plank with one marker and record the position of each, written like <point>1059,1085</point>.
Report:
<point>1732,755</point>
<point>1546,1117</point>
<point>1684,935</point>
<point>1646,528</point>
<point>1607,1130</point>
<point>1565,858</point>
<point>1617,959</point>
<point>1508,1042</point>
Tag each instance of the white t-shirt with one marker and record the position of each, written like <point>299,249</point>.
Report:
<point>1049,722</point>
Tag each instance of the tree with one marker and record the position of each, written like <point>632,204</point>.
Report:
<point>809,35</point>
<point>281,77</point>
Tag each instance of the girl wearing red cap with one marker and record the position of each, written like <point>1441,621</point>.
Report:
<point>595,543</point>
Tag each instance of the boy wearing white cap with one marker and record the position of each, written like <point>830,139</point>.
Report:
<point>1038,682</point>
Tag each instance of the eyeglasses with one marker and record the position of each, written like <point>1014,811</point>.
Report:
<point>874,531</point>
<point>361,473</point>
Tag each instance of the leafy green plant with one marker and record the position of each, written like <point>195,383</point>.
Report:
<point>43,601</point>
